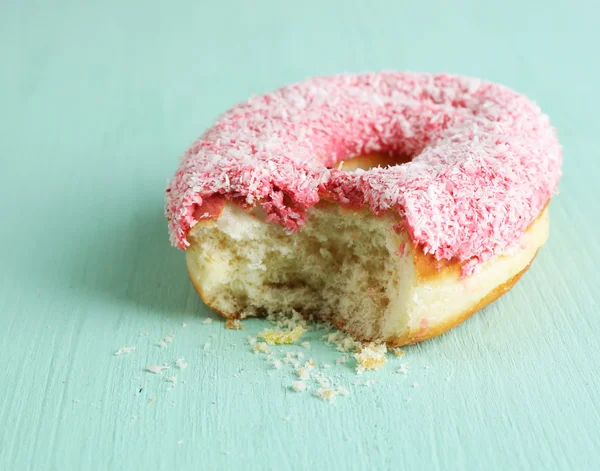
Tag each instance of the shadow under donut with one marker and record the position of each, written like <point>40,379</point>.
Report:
<point>120,257</point>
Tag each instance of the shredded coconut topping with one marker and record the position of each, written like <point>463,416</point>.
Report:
<point>485,160</point>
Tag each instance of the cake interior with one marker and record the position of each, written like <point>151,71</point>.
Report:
<point>342,267</point>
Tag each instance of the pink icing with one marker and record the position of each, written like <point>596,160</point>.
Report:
<point>485,159</point>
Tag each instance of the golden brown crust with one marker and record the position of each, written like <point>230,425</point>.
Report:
<point>427,267</point>
<point>428,331</point>
<point>203,298</point>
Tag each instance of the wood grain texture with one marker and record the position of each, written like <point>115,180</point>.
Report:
<point>98,100</point>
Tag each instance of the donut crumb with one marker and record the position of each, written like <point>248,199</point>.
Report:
<point>124,351</point>
<point>233,324</point>
<point>279,337</point>
<point>371,357</point>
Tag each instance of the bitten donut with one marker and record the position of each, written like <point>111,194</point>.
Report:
<point>392,205</point>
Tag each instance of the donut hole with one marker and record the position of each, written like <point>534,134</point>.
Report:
<point>341,267</point>
<point>373,160</point>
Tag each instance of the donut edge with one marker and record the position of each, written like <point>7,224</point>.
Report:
<point>412,336</point>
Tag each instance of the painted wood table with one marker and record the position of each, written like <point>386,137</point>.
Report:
<point>98,100</point>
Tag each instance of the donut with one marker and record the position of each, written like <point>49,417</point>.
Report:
<point>391,205</point>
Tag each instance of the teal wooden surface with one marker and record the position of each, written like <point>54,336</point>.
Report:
<point>98,99</point>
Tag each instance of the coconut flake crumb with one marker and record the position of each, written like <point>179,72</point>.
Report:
<point>343,342</point>
<point>341,360</point>
<point>206,346</point>
<point>323,380</point>
<point>398,352</point>
<point>124,351</point>
<point>156,369</point>
<point>162,344</point>
<point>277,364</point>
<point>306,345</point>
<point>371,357</point>
<point>403,368</point>
<point>304,371</point>
<point>181,364</point>
<point>184,325</point>
<point>261,347</point>
<point>290,358</point>
<point>329,394</point>
<point>168,339</point>
<point>288,322</point>
<point>208,320</point>
<point>280,337</point>
<point>234,324</point>
<point>299,386</point>
<point>172,379</point>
